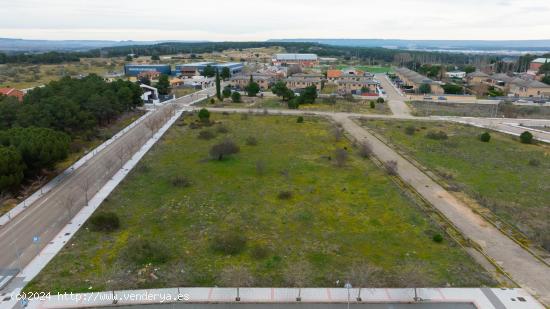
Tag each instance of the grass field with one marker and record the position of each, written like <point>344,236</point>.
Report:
<point>479,110</point>
<point>279,213</point>
<point>507,177</point>
<point>321,104</point>
<point>23,76</point>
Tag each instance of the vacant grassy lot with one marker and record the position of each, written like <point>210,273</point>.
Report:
<point>281,212</point>
<point>321,104</point>
<point>479,110</point>
<point>509,178</point>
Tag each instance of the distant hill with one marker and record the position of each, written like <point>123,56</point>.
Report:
<point>21,45</point>
<point>459,45</point>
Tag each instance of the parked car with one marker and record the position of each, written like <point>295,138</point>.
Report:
<point>442,99</point>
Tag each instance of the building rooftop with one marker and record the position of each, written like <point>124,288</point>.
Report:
<point>414,76</point>
<point>312,57</point>
<point>477,74</point>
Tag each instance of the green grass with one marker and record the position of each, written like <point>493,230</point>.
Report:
<point>336,219</point>
<point>497,174</point>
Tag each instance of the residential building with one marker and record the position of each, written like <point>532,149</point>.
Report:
<point>136,69</point>
<point>333,75</point>
<point>476,78</point>
<point>414,80</point>
<point>529,88</point>
<point>241,81</point>
<point>537,63</point>
<point>303,60</point>
<point>12,92</point>
<point>296,83</point>
<point>310,75</point>
<point>358,87</point>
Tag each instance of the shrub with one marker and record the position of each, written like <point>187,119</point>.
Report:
<point>259,251</point>
<point>229,242</point>
<point>436,135</point>
<point>300,119</point>
<point>236,97</point>
<point>180,182</point>
<point>437,238</point>
<point>222,129</point>
<point>526,137</point>
<point>372,104</point>
<point>285,195</point>
<point>105,222</point>
<point>224,148</point>
<point>391,167</point>
<point>410,130</point>
<point>251,141</point>
<point>380,100</point>
<point>212,101</point>
<point>534,162</point>
<point>147,251</point>
<point>206,135</point>
<point>485,137</point>
<point>204,115</point>
<point>365,150</point>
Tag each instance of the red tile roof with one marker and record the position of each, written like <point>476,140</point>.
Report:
<point>334,73</point>
<point>13,93</point>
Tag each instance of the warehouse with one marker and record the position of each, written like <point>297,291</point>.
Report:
<point>304,60</point>
<point>197,68</point>
<point>136,69</point>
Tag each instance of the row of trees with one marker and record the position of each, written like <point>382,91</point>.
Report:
<point>36,133</point>
<point>308,95</point>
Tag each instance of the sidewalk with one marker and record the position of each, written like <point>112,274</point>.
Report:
<point>482,298</point>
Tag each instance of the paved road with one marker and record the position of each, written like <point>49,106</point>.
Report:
<point>23,237</point>
<point>396,102</point>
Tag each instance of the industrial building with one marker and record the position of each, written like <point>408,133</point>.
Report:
<point>136,69</point>
<point>197,68</point>
<point>304,60</point>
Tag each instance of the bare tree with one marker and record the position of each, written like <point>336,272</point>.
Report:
<point>360,275</point>
<point>338,133</point>
<point>365,149</point>
<point>107,165</point>
<point>341,156</point>
<point>150,124</point>
<point>297,275</point>
<point>236,276</point>
<point>85,186</point>
<point>69,204</point>
<point>121,154</point>
<point>391,167</point>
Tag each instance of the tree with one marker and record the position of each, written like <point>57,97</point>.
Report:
<point>391,167</point>
<point>226,73</point>
<point>294,103</point>
<point>11,168</point>
<point>425,88</point>
<point>485,137</point>
<point>204,115</point>
<point>218,86</point>
<point>155,57</point>
<point>546,79</point>
<point>236,97</point>
<point>128,58</point>
<point>453,89</point>
<point>526,137</point>
<point>236,276</point>
<point>309,95</point>
<point>469,69</point>
<point>365,150</point>
<point>252,88</point>
<point>163,84</point>
<point>209,71</point>
<point>281,90</point>
<point>224,148</point>
<point>226,92</point>
<point>144,80</point>
<point>380,100</point>
<point>39,147</point>
<point>372,104</point>
<point>341,156</point>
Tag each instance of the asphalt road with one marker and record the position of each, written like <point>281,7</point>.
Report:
<point>25,235</point>
<point>396,102</point>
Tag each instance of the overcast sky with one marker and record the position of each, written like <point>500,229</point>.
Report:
<point>267,19</point>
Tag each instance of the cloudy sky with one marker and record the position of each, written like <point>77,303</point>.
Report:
<point>265,19</point>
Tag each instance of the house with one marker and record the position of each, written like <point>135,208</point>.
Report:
<point>414,80</point>
<point>303,60</point>
<point>529,88</point>
<point>358,87</point>
<point>296,82</point>
<point>241,81</point>
<point>199,82</point>
<point>537,63</point>
<point>476,78</point>
<point>333,75</point>
<point>176,82</point>
<point>12,92</point>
